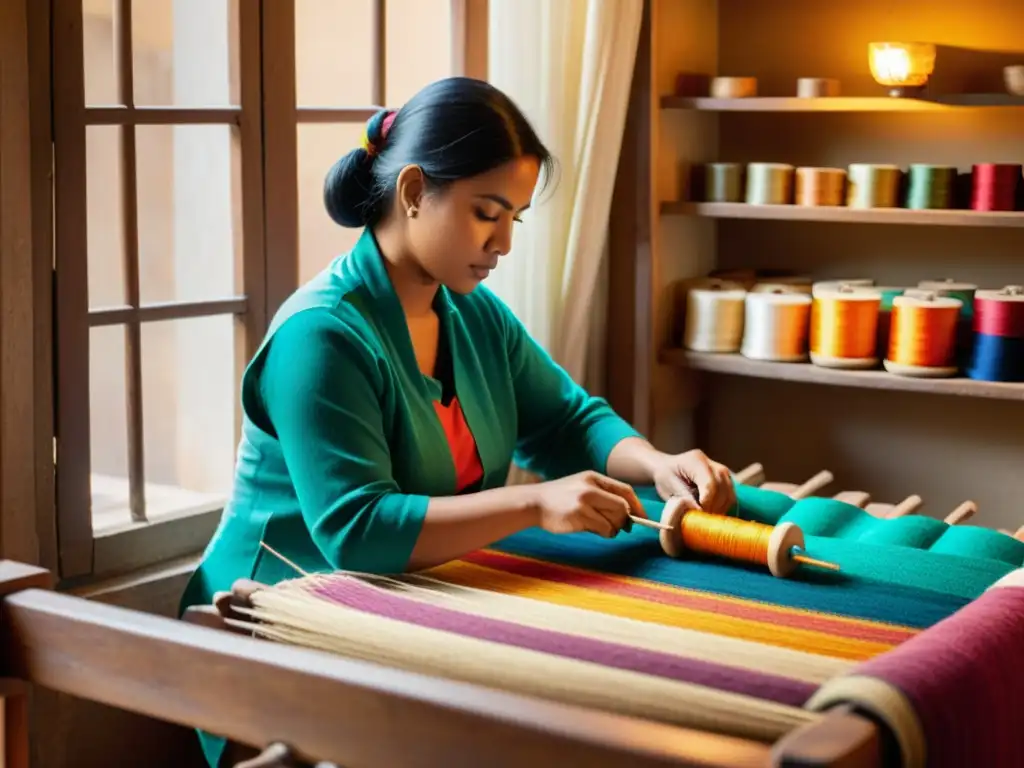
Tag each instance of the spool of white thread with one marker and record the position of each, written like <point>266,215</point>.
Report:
<point>714,317</point>
<point>776,326</point>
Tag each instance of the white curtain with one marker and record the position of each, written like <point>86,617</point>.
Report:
<point>568,64</point>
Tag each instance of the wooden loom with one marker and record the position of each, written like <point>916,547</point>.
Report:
<point>326,707</point>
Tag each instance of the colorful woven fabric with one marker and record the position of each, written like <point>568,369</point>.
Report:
<point>618,625</point>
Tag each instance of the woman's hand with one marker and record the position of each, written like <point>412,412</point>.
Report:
<point>588,501</point>
<point>693,475</point>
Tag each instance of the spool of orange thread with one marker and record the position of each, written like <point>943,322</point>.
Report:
<point>820,186</point>
<point>844,327</point>
<point>922,335</point>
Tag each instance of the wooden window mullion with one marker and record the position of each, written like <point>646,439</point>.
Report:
<point>130,217</point>
<point>74,517</point>
<point>379,88</point>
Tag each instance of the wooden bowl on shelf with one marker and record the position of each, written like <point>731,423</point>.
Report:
<point>1014,79</point>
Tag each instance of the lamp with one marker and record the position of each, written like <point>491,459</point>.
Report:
<point>904,67</point>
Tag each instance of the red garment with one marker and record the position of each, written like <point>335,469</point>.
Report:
<point>468,469</point>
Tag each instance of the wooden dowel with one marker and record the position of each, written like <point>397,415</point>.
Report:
<point>908,506</point>
<point>962,513</point>
<point>752,474</point>
<point>856,498</point>
<point>813,485</point>
<point>646,523</point>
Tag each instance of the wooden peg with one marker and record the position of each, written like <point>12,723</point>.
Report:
<point>752,474</point>
<point>856,498</point>
<point>275,756</point>
<point>908,506</point>
<point>813,485</point>
<point>961,514</point>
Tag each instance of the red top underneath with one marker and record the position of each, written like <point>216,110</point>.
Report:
<point>468,469</point>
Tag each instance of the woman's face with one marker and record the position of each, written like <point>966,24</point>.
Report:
<point>460,232</point>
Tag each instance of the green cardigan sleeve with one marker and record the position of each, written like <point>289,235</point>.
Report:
<point>562,429</point>
<point>321,387</point>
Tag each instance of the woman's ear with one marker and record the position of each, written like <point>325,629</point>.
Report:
<point>410,189</point>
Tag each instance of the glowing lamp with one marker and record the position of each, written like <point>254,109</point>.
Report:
<point>903,67</point>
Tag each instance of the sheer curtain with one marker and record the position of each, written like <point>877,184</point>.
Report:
<point>569,65</point>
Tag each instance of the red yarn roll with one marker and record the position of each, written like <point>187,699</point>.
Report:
<point>999,316</point>
<point>995,187</point>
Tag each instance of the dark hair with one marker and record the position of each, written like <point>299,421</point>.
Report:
<point>452,129</point>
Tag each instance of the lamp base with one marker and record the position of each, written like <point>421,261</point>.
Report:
<point>907,91</point>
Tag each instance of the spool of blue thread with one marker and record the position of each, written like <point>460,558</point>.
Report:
<point>998,349</point>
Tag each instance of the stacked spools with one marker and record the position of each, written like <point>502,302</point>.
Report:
<point>938,328</point>
<point>998,348</point>
<point>988,187</point>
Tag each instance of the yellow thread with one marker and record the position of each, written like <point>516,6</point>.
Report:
<point>726,537</point>
<point>766,632</point>
<point>844,323</point>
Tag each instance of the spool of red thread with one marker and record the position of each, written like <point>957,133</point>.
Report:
<point>995,186</point>
<point>1000,313</point>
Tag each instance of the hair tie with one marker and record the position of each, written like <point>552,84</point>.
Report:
<point>376,130</point>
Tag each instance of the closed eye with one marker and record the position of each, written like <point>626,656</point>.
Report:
<point>482,215</point>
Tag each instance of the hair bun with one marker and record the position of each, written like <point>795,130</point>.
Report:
<point>348,189</point>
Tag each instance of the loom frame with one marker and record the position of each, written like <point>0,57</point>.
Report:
<point>193,674</point>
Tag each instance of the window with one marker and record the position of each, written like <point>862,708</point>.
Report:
<point>191,142</point>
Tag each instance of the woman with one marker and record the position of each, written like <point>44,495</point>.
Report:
<point>391,393</point>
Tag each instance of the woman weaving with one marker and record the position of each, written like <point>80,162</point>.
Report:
<point>384,407</point>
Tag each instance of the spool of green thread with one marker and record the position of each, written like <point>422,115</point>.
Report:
<point>872,186</point>
<point>769,184</point>
<point>953,290</point>
<point>931,187</point>
<point>723,183</point>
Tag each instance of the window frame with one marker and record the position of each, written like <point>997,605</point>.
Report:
<point>267,117</point>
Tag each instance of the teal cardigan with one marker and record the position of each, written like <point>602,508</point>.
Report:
<point>341,448</point>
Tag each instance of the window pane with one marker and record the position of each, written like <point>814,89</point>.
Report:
<point>190,385</point>
<point>189,193</point>
<point>98,51</point>
<point>320,239</point>
<point>105,216</point>
<point>108,412</point>
<point>419,46</point>
<point>185,52</point>
<point>334,52</point>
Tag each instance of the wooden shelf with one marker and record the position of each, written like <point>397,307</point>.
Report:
<point>844,103</point>
<point>737,365</point>
<point>946,218</point>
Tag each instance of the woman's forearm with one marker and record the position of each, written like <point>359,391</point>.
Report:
<point>634,461</point>
<point>457,525</point>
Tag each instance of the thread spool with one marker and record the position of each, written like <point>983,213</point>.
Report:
<point>922,335</point>
<point>888,294</point>
<point>994,186</point>
<point>998,350</point>
<point>775,326</point>
<point>733,87</point>
<point>744,278</point>
<point>931,187</point>
<point>769,183</point>
<point>965,326</point>
<point>723,183</point>
<point>872,186</point>
<point>779,548</point>
<point>714,317</point>
<point>844,327</point>
<point>816,87</point>
<point>820,186</point>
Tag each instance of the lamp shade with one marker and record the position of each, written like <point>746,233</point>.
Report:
<point>901,65</point>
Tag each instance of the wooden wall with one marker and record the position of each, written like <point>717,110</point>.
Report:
<point>892,444</point>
